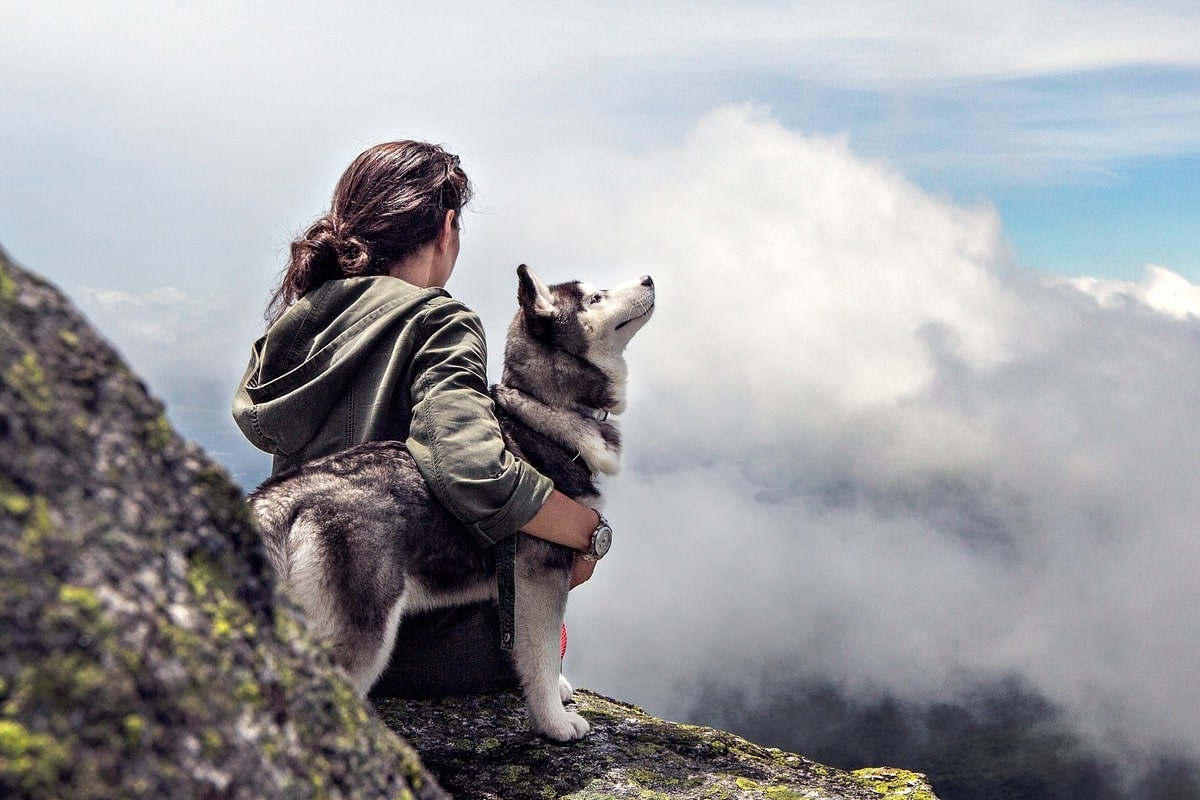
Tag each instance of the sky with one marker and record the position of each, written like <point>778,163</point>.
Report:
<point>917,407</point>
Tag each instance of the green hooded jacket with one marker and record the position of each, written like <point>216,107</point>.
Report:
<point>365,359</point>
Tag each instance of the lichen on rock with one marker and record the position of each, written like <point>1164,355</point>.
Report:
<point>144,650</point>
<point>482,747</point>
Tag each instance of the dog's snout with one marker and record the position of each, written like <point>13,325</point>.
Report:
<point>647,281</point>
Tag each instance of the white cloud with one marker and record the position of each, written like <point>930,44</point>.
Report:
<point>191,349</point>
<point>864,443</point>
<point>208,133</point>
<point>256,73</point>
<point>926,42</point>
<point>114,299</point>
<point>764,232</point>
<point>143,321</point>
<point>1163,291</point>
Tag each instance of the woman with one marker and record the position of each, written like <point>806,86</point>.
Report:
<point>365,344</point>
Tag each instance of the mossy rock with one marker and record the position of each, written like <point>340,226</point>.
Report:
<point>482,747</point>
<point>144,650</point>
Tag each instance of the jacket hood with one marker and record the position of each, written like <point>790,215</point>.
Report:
<point>308,358</point>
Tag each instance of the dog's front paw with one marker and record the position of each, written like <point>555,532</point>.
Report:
<point>565,692</point>
<point>566,727</point>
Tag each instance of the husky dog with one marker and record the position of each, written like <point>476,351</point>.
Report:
<point>361,542</point>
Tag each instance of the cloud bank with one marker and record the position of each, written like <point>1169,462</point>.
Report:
<point>864,444</point>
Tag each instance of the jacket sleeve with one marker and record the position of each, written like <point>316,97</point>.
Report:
<point>455,437</point>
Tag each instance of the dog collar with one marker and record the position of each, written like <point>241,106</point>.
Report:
<point>598,414</point>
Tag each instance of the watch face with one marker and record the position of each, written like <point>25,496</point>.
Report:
<point>603,541</point>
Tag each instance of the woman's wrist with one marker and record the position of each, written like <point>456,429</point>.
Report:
<point>564,521</point>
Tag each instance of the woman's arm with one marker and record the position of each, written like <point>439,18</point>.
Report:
<point>566,522</point>
<point>454,435</point>
<point>456,441</point>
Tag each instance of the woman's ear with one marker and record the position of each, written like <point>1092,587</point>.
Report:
<point>448,228</point>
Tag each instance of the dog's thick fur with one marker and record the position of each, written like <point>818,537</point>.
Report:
<point>360,541</point>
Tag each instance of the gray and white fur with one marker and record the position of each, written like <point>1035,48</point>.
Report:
<point>360,542</point>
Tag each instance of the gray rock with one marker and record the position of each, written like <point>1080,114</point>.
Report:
<point>481,747</point>
<point>143,649</point>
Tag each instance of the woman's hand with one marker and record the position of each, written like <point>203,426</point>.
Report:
<point>581,570</point>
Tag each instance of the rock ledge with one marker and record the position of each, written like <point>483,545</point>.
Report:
<point>482,747</point>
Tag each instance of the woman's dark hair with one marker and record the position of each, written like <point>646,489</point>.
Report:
<point>389,203</point>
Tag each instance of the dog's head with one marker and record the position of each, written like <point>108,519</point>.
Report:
<point>567,342</point>
<point>588,322</point>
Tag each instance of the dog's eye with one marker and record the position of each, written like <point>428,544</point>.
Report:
<point>594,299</point>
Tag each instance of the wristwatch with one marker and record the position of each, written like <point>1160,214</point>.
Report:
<point>601,541</point>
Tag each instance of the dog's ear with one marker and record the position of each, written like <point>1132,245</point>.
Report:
<point>532,294</point>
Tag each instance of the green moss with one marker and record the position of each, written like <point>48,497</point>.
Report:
<point>271,749</point>
<point>33,761</point>
<point>287,676</point>
<point>159,433</point>
<point>84,678</point>
<point>28,379</point>
<point>513,774</point>
<point>248,692</point>
<point>894,784</point>
<point>79,597</point>
<point>411,767</point>
<point>214,587</point>
<point>320,769</point>
<point>648,778</point>
<point>213,488</point>
<point>212,742</point>
<point>222,629</point>
<point>351,712</point>
<point>11,500</point>
<point>8,289</point>
<point>69,339</point>
<point>79,610</point>
<point>287,629</point>
<point>35,512</point>
<point>127,657</point>
<point>134,726</point>
<point>183,642</point>
<point>203,575</point>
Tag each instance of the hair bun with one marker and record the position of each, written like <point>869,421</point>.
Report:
<point>331,245</point>
<point>353,255</point>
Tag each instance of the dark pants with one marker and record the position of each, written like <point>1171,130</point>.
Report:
<point>453,651</point>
